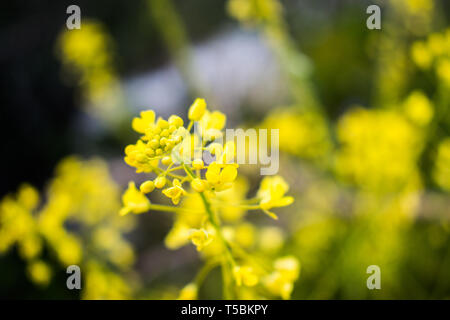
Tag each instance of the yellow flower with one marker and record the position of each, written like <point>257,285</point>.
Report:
<point>441,171</point>
<point>175,192</point>
<point>28,196</point>
<point>30,246</point>
<point>39,272</point>
<point>134,201</point>
<point>211,125</point>
<point>421,55</point>
<point>220,177</point>
<point>288,266</point>
<point>379,149</point>
<point>200,238</point>
<point>178,235</point>
<point>281,281</point>
<point>443,70</point>
<point>312,137</point>
<point>272,194</point>
<point>140,156</point>
<point>197,109</point>
<point>278,286</point>
<point>418,108</point>
<point>245,275</point>
<point>189,292</point>
<point>146,120</point>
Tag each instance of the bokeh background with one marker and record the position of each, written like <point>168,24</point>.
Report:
<point>364,119</point>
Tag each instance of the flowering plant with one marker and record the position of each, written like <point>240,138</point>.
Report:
<point>205,196</point>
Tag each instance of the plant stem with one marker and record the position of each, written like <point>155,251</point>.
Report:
<point>215,222</point>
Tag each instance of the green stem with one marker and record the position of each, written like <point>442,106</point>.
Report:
<point>215,222</point>
<point>161,207</point>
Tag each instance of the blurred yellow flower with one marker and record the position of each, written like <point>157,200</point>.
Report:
<point>272,194</point>
<point>189,292</point>
<point>441,170</point>
<point>418,108</point>
<point>220,177</point>
<point>39,272</point>
<point>379,149</point>
<point>145,121</point>
<point>281,281</point>
<point>134,201</point>
<point>200,238</point>
<point>175,192</point>
<point>245,275</point>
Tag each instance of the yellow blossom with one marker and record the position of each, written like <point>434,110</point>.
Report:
<point>418,108</point>
<point>421,55</point>
<point>281,281</point>
<point>28,196</point>
<point>189,292</point>
<point>134,201</point>
<point>272,194</point>
<point>200,238</point>
<point>211,125</point>
<point>39,272</point>
<point>140,156</point>
<point>443,70</point>
<point>220,177</point>
<point>175,192</point>
<point>441,171</point>
<point>146,120</point>
<point>245,275</point>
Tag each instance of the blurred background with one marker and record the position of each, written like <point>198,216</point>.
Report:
<point>364,120</point>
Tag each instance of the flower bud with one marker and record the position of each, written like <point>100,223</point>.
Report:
<point>198,185</point>
<point>198,164</point>
<point>160,182</point>
<point>197,109</point>
<point>147,186</point>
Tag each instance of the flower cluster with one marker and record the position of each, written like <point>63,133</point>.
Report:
<point>433,53</point>
<point>379,149</point>
<point>209,198</point>
<point>82,194</point>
